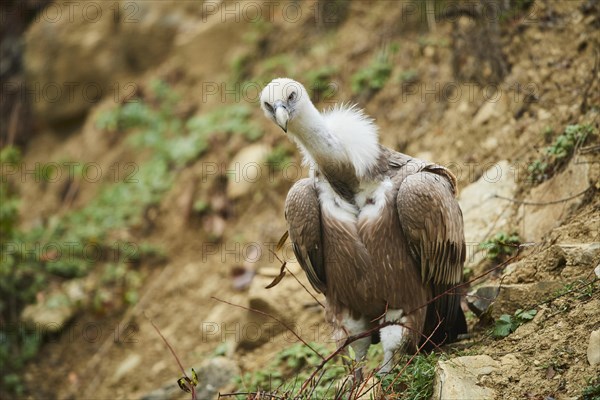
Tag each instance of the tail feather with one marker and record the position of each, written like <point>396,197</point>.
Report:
<point>444,322</point>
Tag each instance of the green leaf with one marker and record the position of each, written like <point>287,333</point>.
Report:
<point>194,377</point>
<point>503,327</point>
<point>527,315</point>
<point>183,384</point>
<point>351,353</point>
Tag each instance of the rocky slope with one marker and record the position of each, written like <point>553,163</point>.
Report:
<point>221,209</point>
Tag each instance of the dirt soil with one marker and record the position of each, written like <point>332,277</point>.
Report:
<point>551,53</point>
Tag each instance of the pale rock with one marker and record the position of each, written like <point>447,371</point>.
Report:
<point>543,114</point>
<point>284,301</point>
<point>212,44</point>
<point>483,213</point>
<point>374,390</point>
<point>57,308</point>
<point>491,143</point>
<point>70,66</point>
<point>493,108</point>
<point>597,271</point>
<point>537,220</point>
<point>247,169</point>
<point>127,366</point>
<point>593,350</point>
<point>460,378</point>
<point>278,301</point>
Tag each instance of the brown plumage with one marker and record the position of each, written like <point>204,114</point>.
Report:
<point>379,233</point>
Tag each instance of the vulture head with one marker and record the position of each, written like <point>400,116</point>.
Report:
<point>282,100</point>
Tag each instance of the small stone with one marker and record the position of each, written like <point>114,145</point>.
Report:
<point>128,365</point>
<point>490,110</point>
<point>458,378</point>
<point>213,375</point>
<point>246,170</point>
<point>58,308</point>
<point>479,300</point>
<point>593,350</point>
<point>597,270</point>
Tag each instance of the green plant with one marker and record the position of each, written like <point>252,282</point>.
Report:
<point>69,245</point>
<point>506,324</point>
<point>373,77</point>
<point>554,156</point>
<point>500,245</point>
<point>278,65</point>
<point>279,157</point>
<point>416,382</point>
<point>289,369</point>
<point>592,391</point>
<point>19,282</point>
<point>409,76</point>
<point>319,81</point>
<point>201,206</point>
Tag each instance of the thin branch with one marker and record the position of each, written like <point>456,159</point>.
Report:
<point>351,339</point>
<point>452,290</point>
<point>584,104</point>
<point>543,203</point>
<point>274,318</point>
<point>188,380</point>
<point>418,352</point>
<point>255,394</point>
<point>297,280</point>
<point>550,300</point>
<point>167,343</point>
<point>305,288</point>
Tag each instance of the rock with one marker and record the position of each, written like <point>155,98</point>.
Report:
<point>507,298</point>
<point>593,350</point>
<point>126,366</point>
<point>57,309</point>
<point>285,301</point>
<point>212,44</point>
<point>480,299</point>
<point>213,375</point>
<point>483,213</point>
<point>538,220</point>
<point>597,271</point>
<point>247,168</point>
<point>69,63</point>
<point>276,301</point>
<point>493,108</point>
<point>373,386</point>
<point>580,258</point>
<point>459,378</point>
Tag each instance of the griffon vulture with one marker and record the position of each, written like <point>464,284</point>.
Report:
<point>378,232</point>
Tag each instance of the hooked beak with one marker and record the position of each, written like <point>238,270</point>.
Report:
<point>281,115</point>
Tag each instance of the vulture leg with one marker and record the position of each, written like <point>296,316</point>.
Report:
<point>348,328</point>
<point>394,338</point>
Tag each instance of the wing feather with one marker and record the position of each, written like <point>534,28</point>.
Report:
<point>432,221</point>
<point>303,215</point>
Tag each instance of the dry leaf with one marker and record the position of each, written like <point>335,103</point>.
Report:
<point>282,241</point>
<point>278,278</point>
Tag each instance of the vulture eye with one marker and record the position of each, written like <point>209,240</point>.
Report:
<point>268,107</point>
<point>292,96</point>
